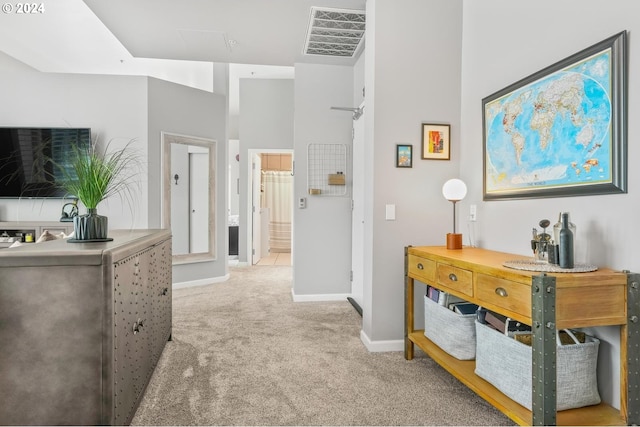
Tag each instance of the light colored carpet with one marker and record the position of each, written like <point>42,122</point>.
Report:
<point>244,354</point>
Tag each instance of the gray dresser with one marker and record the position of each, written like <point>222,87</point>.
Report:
<point>82,326</point>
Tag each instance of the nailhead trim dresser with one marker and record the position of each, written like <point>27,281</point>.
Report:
<point>82,326</point>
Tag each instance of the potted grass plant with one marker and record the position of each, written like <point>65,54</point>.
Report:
<point>92,174</point>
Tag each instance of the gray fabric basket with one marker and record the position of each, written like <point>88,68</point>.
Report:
<point>506,363</point>
<point>454,333</point>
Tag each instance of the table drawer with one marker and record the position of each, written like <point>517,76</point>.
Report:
<point>422,268</point>
<point>456,279</point>
<point>504,294</point>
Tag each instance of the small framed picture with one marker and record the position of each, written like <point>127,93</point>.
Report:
<point>435,141</point>
<point>404,156</point>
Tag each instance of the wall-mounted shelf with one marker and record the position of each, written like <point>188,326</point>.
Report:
<point>327,169</point>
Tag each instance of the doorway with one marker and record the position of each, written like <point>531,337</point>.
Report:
<point>270,207</point>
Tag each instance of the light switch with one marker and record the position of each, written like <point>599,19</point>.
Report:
<point>390,214</point>
<point>302,202</point>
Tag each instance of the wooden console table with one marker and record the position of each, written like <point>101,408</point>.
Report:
<point>547,302</point>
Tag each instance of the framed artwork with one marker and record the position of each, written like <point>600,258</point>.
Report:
<point>404,156</point>
<point>435,141</point>
<point>561,131</point>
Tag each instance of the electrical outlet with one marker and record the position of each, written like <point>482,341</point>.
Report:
<point>473,213</point>
<point>390,212</point>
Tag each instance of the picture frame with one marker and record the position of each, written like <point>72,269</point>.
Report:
<point>562,131</point>
<point>436,141</point>
<point>404,155</point>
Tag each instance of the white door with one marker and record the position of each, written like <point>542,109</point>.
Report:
<point>256,170</point>
<point>199,202</point>
<point>357,214</point>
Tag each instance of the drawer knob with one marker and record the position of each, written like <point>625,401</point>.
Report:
<point>502,292</point>
<point>420,266</point>
<point>453,277</point>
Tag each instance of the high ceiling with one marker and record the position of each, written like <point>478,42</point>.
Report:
<point>267,32</point>
<point>175,40</point>
<point>120,36</point>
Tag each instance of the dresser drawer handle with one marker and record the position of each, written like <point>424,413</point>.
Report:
<point>453,277</point>
<point>420,266</point>
<point>502,292</point>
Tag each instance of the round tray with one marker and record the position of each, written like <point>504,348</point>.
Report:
<point>530,265</point>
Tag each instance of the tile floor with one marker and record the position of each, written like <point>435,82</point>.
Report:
<point>271,259</point>
<point>277,258</point>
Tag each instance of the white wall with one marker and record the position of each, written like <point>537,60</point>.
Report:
<point>118,108</point>
<point>234,176</point>
<point>266,122</point>
<point>359,90</point>
<point>114,107</point>
<point>191,112</point>
<point>322,238</point>
<point>500,48</point>
<point>412,75</point>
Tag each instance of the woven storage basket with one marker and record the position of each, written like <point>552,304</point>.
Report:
<point>506,363</point>
<point>454,333</point>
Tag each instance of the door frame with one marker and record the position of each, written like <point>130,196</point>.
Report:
<point>357,213</point>
<point>255,211</point>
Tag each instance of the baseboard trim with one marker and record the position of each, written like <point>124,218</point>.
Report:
<point>201,282</point>
<point>381,346</point>
<point>318,297</point>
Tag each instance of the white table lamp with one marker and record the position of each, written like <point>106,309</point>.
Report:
<point>454,190</point>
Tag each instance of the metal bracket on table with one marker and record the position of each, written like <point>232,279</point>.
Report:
<point>543,318</point>
<point>633,346</point>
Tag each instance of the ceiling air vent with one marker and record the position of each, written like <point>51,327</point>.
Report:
<point>334,32</point>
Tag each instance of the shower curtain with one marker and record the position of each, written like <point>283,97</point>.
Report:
<point>278,194</point>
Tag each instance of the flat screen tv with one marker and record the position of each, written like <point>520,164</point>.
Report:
<point>31,159</point>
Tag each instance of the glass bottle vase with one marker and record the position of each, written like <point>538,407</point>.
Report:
<point>558,225</point>
<point>565,244</point>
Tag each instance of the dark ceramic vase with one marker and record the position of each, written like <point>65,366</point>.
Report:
<point>90,226</point>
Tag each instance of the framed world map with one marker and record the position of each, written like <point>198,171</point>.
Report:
<point>561,131</point>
